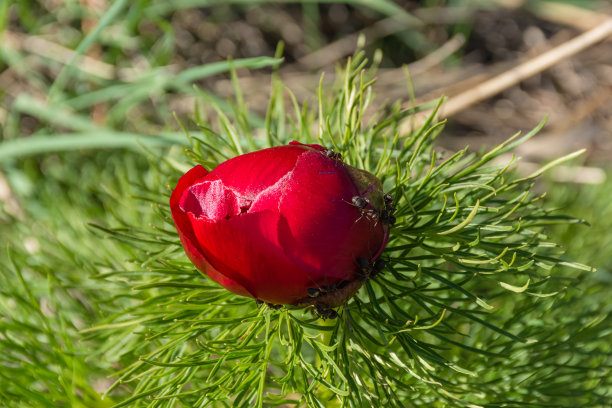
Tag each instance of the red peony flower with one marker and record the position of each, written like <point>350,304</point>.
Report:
<point>285,225</point>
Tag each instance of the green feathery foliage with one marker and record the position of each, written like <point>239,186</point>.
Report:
<point>466,312</point>
<point>476,306</point>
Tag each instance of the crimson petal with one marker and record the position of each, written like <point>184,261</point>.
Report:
<point>249,174</point>
<point>186,233</point>
<point>247,250</point>
<point>321,201</point>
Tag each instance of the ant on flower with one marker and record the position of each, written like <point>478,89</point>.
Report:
<point>368,270</point>
<point>332,154</point>
<point>325,298</point>
<point>386,215</point>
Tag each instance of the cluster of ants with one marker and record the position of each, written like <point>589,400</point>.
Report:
<point>332,294</point>
<point>322,296</point>
<point>385,215</point>
<point>366,271</point>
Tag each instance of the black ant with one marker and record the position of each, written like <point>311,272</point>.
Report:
<point>362,203</point>
<point>270,305</point>
<point>326,313</point>
<point>322,290</point>
<point>313,292</point>
<point>378,267</point>
<point>322,310</point>
<point>368,270</point>
<point>388,198</point>
<point>386,215</point>
<point>273,306</point>
<point>365,268</point>
<point>332,154</point>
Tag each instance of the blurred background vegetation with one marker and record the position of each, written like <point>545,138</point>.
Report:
<point>87,86</point>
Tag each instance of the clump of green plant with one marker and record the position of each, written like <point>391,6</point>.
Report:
<point>448,321</point>
<point>475,307</point>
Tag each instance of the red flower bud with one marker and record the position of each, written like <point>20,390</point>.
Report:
<point>282,224</point>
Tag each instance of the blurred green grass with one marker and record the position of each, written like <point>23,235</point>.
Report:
<point>591,244</point>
